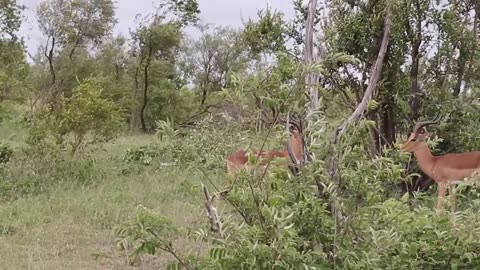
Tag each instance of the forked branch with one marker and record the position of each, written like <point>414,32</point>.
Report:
<point>359,111</point>
<point>215,222</point>
<point>374,78</point>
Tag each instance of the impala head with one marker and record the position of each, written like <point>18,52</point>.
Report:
<point>296,146</point>
<point>419,135</point>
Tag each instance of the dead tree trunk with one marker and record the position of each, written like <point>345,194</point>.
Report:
<point>332,164</point>
<point>311,78</point>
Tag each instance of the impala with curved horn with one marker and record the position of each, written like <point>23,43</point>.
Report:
<point>446,170</point>
<point>295,150</point>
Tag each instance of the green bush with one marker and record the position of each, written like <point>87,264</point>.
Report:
<point>143,154</point>
<point>6,153</point>
<point>83,119</point>
<point>281,222</point>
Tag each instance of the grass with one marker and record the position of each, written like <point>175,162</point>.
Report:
<point>69,226</point>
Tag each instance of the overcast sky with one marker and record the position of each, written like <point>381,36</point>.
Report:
<point>226,12</point>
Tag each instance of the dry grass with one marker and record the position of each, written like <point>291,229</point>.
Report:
<point>70,227</point>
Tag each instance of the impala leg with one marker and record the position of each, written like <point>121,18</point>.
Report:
<point>452,199</point>
<point>441,194</point>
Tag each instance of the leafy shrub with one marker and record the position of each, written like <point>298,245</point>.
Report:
<point>186,146</point>
<point>143,154</point>
<point>82,119</point>
<point>148,232</point>
<point>36,171</point>
<point>6,153</point>
<point>279,222</point>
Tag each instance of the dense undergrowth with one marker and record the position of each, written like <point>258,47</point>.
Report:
<point>134,190</point>
<point>110,142</point>
<point>279,221</point>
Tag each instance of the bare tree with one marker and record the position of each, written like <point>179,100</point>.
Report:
<point>359,112</point>
<point>311,78</point>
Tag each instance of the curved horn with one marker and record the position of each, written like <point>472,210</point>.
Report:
<point>420,125</point>
<point>297,123</point>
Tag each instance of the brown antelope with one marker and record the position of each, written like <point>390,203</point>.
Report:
<point>446,170</point>
<point>295,150</point>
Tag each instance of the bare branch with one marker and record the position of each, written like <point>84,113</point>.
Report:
<point>375,77</point>
<point>216,224</point>
<point>333,168</point>
<point>311,78</point>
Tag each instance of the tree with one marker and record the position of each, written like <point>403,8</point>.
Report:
<point>113,62</point>
<point>10,19</point>
<point>83,119</point>
<point>155,41</point>
<point>213,58</point>
<point>68,25</point>
<point>13,68</point>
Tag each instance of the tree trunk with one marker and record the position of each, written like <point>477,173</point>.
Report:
<point>75,45</point>
<point>469,72</point>
<point>462,63</point>
<point>332,164</point>
<point>204,95</point>
<point>414,89</point>
<point>311,78</point>
<point>135,110</point>
<point>145,89</point>
<point>49,56</point>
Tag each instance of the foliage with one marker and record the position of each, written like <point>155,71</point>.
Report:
<point>6,153</point>
<point>10,19</point>
<point>143,154</point>
<point>279,222</point>
<point>13,68</point>
<point>204,97</point>
<point>210,61</point>
<point>149,230</point>
<point>186,146</point>
<point>32,172</point>
<point>86,117</point>
<point>266,35</point>
<point>76,22</point>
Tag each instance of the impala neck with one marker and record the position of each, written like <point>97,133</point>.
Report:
<point>425,159</point>
<point>296,144</point>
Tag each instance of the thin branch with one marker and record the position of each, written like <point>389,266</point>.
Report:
<point>215,222</point>
<point>171,251</point>
<point>225,197</point>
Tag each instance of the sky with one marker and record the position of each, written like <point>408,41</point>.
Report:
<point>218,12</point>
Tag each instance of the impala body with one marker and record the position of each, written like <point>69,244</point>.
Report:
<point>446,170</point>
<point>238,160</point>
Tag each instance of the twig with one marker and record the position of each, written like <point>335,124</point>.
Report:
<point>216,224</point>
<point>170,250</point>
<point>222,193</point>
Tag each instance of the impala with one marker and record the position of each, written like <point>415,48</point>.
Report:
<point>446,170</point>
<point>295,151</point>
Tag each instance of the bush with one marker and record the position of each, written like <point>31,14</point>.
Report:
<point>32,173</point>
<point>81,120</point>
<point>282,222</point>
<point>6,153</point>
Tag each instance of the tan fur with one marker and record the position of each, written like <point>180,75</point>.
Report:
<point>446,170</point>
<point>238,159</point>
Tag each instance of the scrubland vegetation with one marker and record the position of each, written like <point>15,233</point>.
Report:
<point>107,141</point>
